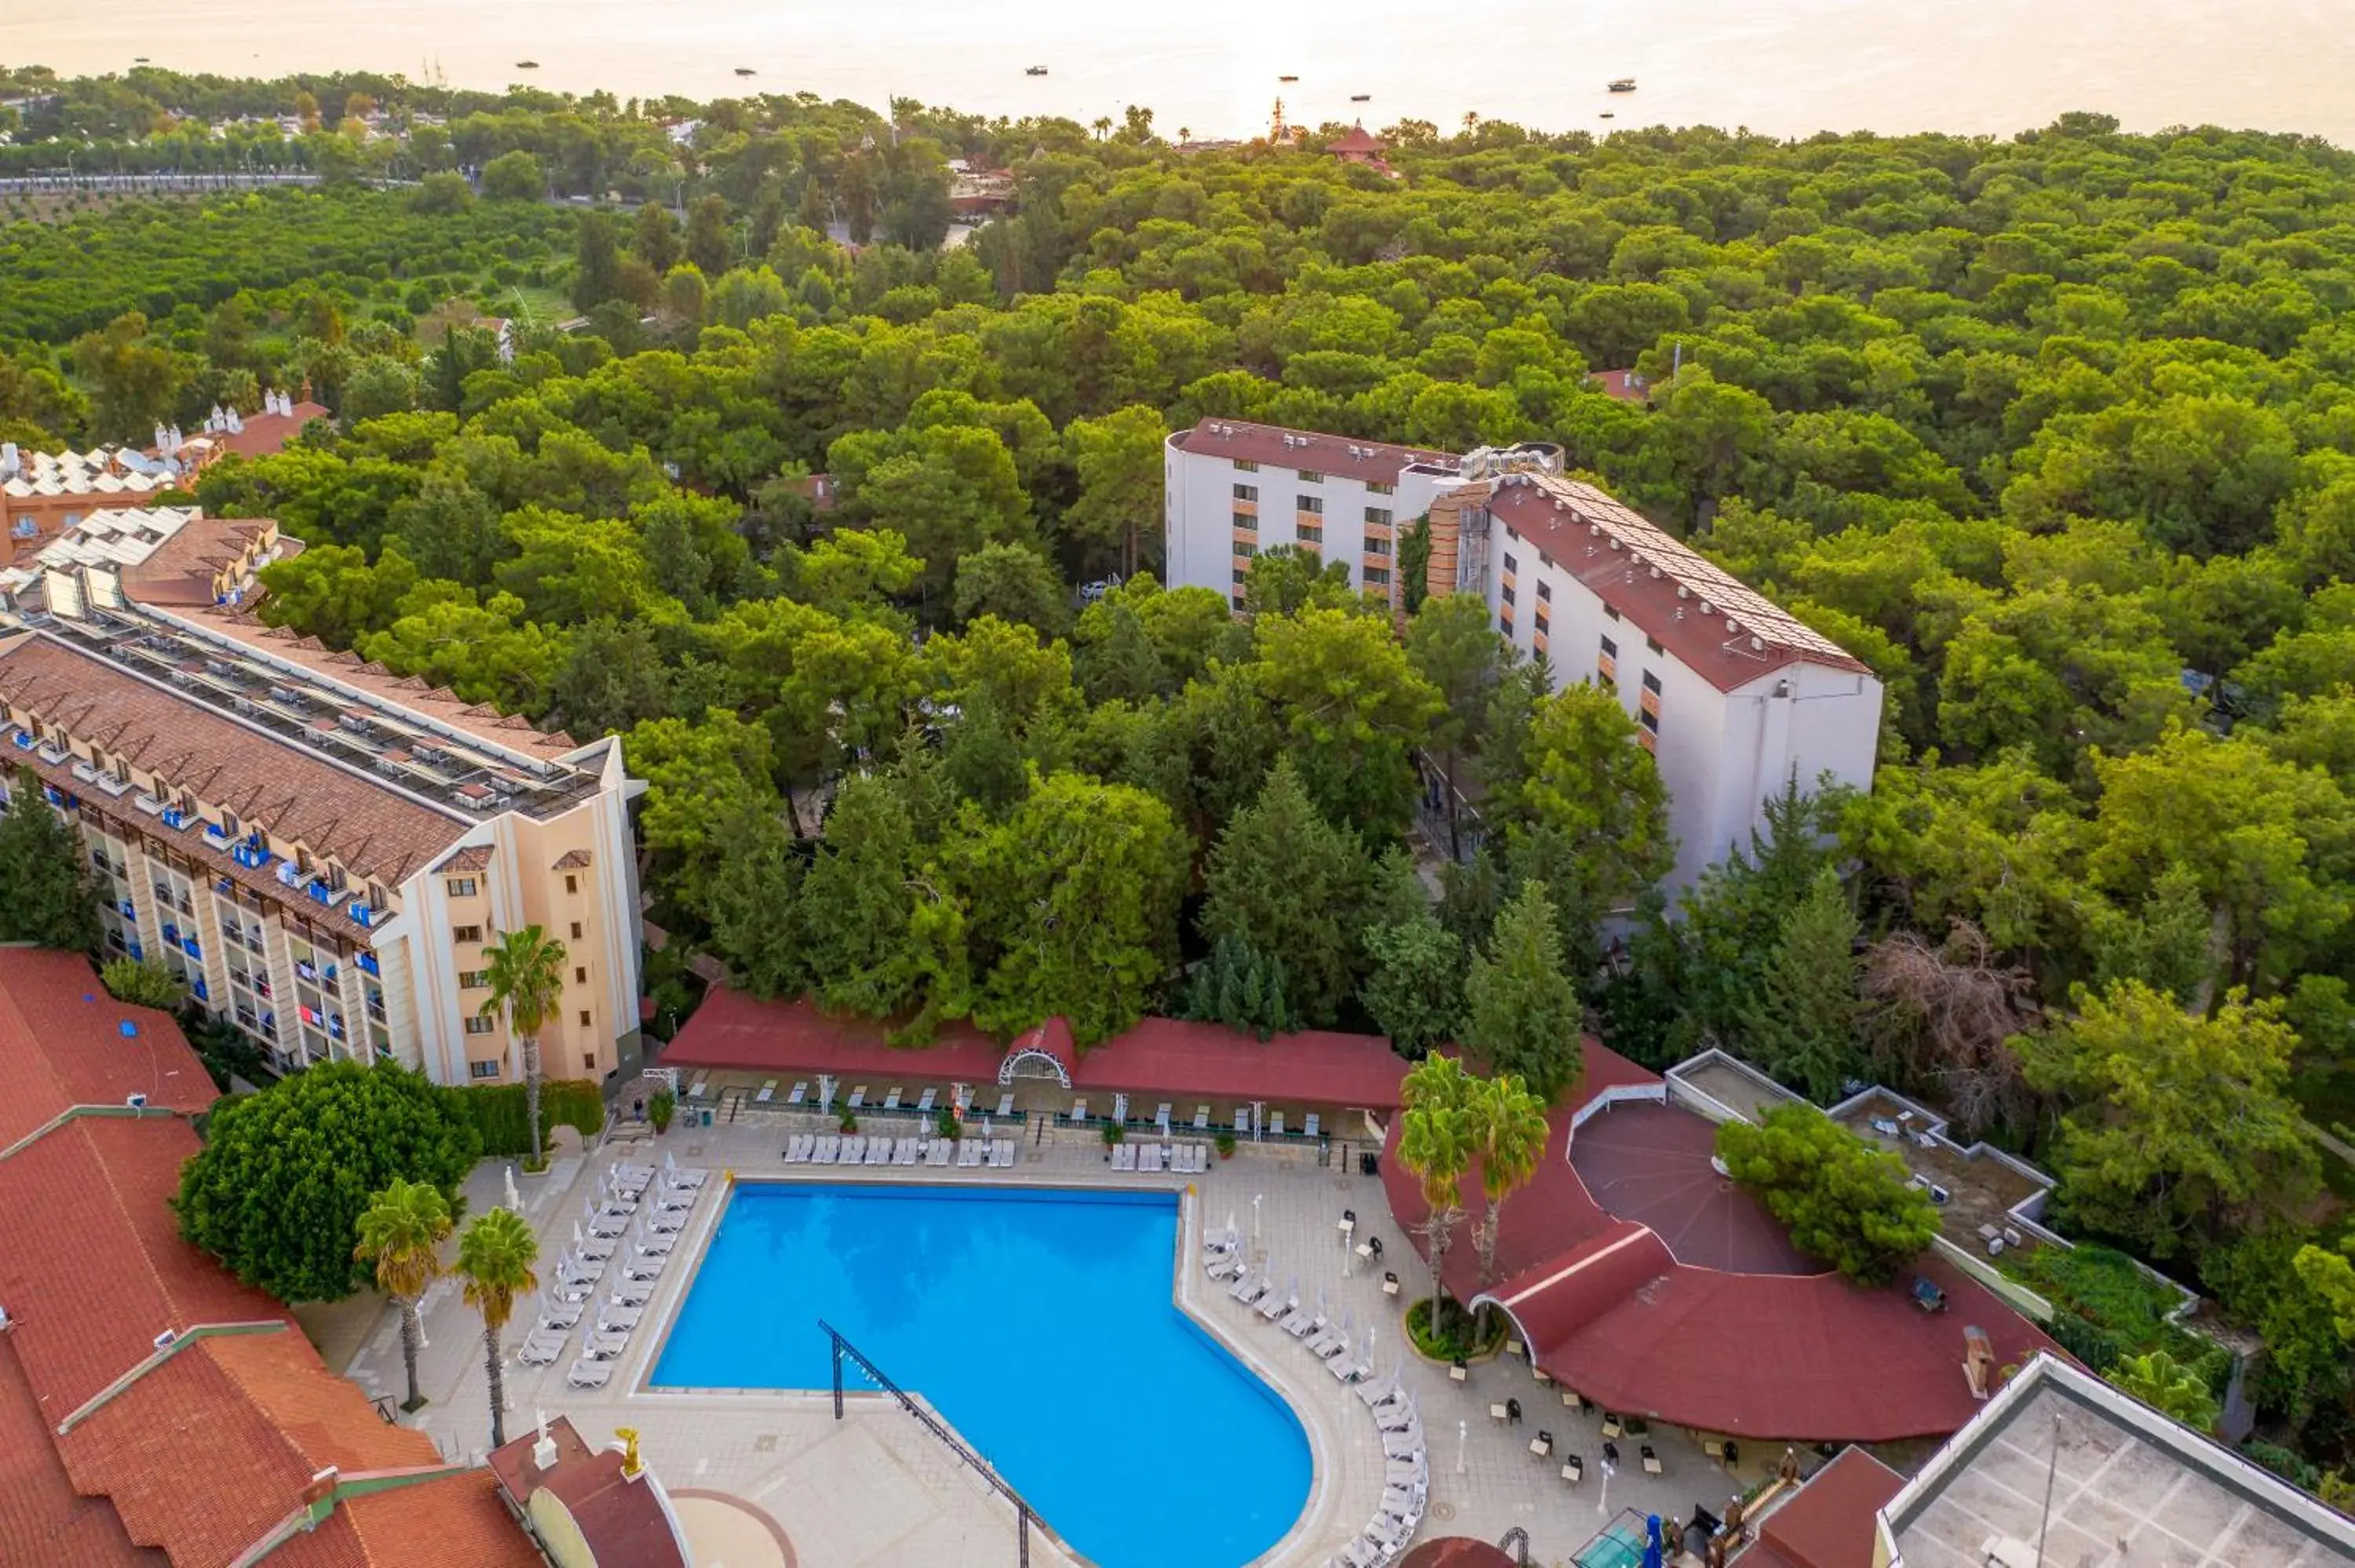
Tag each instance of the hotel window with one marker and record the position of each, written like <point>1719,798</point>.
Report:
<point>1312,504</point>
<point>476,1025</point>
<point>588,1061</point>
<point>1651,682</point>
<point>1606,666</point>
<point>465,933</point>
<point>1545,592</point>
<point>1611,612</point>
<point>1309,476</point>
<point>1243,576</point>
<point>1376,487</point>
<point>1653,644</point>
<point>461,887</point>
<point>1378,576</point>
<point>1311,534</point>
<point>1543,622</point>
<point>572,883</point>
<point>1247,522</point>
<point>1377,516</point>
<point>377,899</point>
<point>1506,593</point>
<point>1246,465</point>
<point>481,1069</point>
<point>1246,493</point>
<point>1511,565</point>
<point>1647,706</point>
<point>473,979</point>
<point>584,1018</point>
<point>1378,546</point>
<point>1245,549</point>
<point>580,974</point>
<point>576,931</point>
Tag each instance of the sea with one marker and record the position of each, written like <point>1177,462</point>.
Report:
<point>1783,67</point>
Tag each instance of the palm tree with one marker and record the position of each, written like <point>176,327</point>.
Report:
<point>402,1233</point>
<point>1435,1143</point>
<point>526,972</point>
<point>495,1257</point>
<point>1102,127</point>
<point>1510,1128</point>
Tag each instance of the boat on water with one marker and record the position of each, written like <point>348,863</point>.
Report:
<point>1608,115</point>
<point>526,65</point>
<point>1624,84</point>
<point>1361,97</point>
<point>1287,78</point>
<point>1034,71</point>
<point>138,60</point>
<point>746,71</point>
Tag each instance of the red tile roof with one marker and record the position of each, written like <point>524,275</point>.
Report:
<point>82,1056</point>
<point>1457,1552</point>
<point>376,831</point>
<point>1611,1312</point>
<point>1704,615</point>
<point>265,434</point>
<point>1357,139</point>
<point>1310,450</point>
<point>622,1518</point>
<point>198,1450</point>
<point>1828,1524</point>
<point>1159,1056</point>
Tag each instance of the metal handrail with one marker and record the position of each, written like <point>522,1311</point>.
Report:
<point>842,1347</point>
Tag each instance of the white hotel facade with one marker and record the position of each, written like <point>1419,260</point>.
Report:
<point>1734,696</point>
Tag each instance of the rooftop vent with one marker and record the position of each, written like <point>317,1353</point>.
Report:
<point>165,1340</point>
<point>136,1102</point>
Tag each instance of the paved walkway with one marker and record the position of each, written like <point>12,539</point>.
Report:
<point>875,1489</point>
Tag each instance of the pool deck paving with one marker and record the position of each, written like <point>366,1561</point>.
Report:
<point>876,1487</point>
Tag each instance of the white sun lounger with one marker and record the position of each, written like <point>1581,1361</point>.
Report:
<point>829,1145</point>
<point>857,1097</point>
<point>1001,1154</point>
<point>1276,1306</point>
<point>924,1101</point>
<point>666,1225</point>
<point>619,1320</point>
<point>536,1352</point>
<point>1124,1157</point>
<point>1005,1103</point>
<point>800,1093</point>
<point>695,1090</point>
<point>1309,1126</point>
<point>643,1269</point>
<point>1275,1123</point>
<point>909,1151</point>
<point>688,1176</point>
<point>1300,1323</point>
<point>633,1294</point>
<point>596,1249</point>
<point>969,1153</point>
<point>558,1315</point>
<point>891,1099</point>
<point>854,1150</point>
<point>586,1373</point>
<point>939,1152</point>
<point>768,1092</point>
<point>879,1152</point>
<point>797,1148</point>
<point>655,1246</point>
<point>1329,1343</point>
<point>1249,1288</point>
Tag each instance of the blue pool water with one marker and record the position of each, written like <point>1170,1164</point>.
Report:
<point>1039,1323</point>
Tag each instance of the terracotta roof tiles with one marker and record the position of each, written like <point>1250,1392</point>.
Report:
<point>1276,446</point>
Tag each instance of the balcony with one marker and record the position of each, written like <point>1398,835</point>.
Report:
<point>84,771</point>
<point>170,935</point>
<point>216,838</point>
<point>21,739</point>
<point>367,964</point>
<point>362,915</point>
<point>191,946</point>
<point>129,910</point>
<point>306,970</point>
<point>55,756</point>
<point>144,802</point>
<point>114,784</point>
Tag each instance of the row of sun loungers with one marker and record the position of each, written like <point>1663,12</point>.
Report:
<point>1153,1158</point>
<point>1405,1454</point>
<point>626,1231</point>
<point>834,1149</point>
<point>800,1096</point>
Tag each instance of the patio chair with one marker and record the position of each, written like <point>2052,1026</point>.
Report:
<point>689,1177</point>
<point>795,1151</point>
<point>768,1092</point>
<point>1541,1445</point>
<point>1161,1117</point>
<point>1275,1305</point>
<point>1242,1121</point>
<point>1651,1460</point>
<point>1573,1469</point>
<point>1226,1265</point>
<point>1573,1399</point>
<point>800,1093</point>
<point>586,1373</point>
<point>1613,1426</point>
<point>1458,1373</point>
<point>1079,1112</point>
<point>1513,1411</point>
<point>1496,1414</point>
<point>559,1316</point>
<point>1390,1283</point>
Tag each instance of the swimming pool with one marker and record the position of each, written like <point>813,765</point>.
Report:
<point>1040,1322</point>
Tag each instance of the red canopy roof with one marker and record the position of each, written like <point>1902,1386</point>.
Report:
<point>1163,1056</point>
<point>1608,1310</point>
<point>733,1029</point>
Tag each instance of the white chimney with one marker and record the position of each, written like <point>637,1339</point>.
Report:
<point>163,441</point>
<point>543,1453</point>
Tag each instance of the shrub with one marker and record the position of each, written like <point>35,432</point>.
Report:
<point>945,1123</point>
<point>498,1115</point>
<point>2283,1463</point>
<point>1226,1143</point>
<point>1461,1334</point>
<point>141,982</point>
<point>2101,1284</point>
<point>1113,1133</point>
<point>2089,1343</point>
<point>660,1109</point>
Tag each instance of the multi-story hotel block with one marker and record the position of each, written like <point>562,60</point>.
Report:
<point>1733,694</point>
<point>1234,488</point>
<point>320,849</point>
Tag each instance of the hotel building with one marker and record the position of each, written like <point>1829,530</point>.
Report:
<point>320,849</point>
<point>1233,488</point>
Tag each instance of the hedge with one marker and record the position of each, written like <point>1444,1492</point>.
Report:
<point>497,1112</point>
